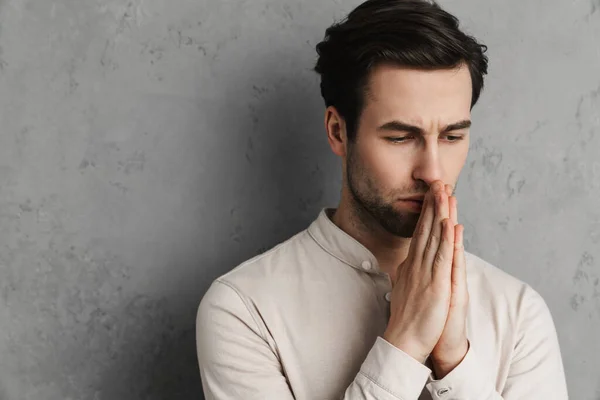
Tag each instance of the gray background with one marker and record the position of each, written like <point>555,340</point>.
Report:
<point>149,146</point>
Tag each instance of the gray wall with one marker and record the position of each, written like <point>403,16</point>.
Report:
<point>148,146</point>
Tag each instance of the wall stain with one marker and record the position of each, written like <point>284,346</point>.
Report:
<point>134,163</point>
<point>587,284</point>
<point>514,183</point>
<point>3,63</point>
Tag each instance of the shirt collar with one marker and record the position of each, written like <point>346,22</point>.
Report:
<point>340,244</point>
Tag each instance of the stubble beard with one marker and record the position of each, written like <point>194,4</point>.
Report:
<point>370,206</point>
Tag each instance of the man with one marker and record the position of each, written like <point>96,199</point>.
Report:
<point>377,299</point>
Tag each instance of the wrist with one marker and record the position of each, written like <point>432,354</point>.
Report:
<point>443,365</point>
<point>406,346</point>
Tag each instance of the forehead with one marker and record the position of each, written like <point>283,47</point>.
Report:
<point>418,96</point>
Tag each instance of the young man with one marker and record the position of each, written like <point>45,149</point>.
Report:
<point>377,299</point>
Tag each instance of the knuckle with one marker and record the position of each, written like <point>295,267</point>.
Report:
<point>440,259</point>
<point>434,237</point>
<point>431,244</point>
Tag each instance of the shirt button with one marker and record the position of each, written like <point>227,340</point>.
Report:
<point>388,296</point>
<point>443,391</point>
<point>366,265</point>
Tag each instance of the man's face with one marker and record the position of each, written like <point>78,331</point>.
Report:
<point>389,161</point>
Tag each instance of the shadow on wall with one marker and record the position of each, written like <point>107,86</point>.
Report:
<point>268,147</point>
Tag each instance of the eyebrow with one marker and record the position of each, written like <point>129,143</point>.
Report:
<point>404,127</point>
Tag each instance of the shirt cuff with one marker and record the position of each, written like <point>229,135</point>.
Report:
<point>468,380</point>
<point>394,370</point>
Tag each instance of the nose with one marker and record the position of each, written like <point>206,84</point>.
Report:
<point>428,167</point>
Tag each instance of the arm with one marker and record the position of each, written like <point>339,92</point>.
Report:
<point>236,361</point>
<point>536,370</point>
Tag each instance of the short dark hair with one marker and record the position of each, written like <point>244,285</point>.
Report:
<point>408,33</point>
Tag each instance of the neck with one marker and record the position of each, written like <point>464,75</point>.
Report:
<point>389,250</point>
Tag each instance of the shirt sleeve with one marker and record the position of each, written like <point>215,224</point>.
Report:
<point>237,362</point>
<point>536,371</point>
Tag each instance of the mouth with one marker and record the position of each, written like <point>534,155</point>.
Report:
<point>414,205</point>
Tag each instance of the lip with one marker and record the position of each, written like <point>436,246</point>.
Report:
<point>415,198</point>
<point>414,205</point>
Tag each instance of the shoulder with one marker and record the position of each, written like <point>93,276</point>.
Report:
<point>262,272</point>
<point>498,288</point>
<point>482,272</point>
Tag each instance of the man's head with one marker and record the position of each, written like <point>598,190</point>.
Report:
<point>399,80</point>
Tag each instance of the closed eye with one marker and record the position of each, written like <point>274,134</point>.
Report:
<point>398,139</point>
<point>403,139</point>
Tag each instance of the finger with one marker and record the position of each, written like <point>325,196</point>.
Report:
<point>441,212</point>
<point>442,263</point>
<point>459,266</point>
<point>415,236</point>
<point>423,228</point>
<point>452,203</point>
<point>448,190</point>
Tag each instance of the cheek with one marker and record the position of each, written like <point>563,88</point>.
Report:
<point>453,161</point>
<point>457,156</point>
<point>389,166</point>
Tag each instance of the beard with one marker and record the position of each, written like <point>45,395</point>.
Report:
<point>371,205</point>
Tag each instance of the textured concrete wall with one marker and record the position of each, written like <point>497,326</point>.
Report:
<point>148,146</point>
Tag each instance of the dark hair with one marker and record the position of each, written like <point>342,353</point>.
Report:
<point>411,33</point>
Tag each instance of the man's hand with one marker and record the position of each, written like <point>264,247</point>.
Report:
<point>421,293</point>
<point>453,345</point>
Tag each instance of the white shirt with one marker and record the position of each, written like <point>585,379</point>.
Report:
<point>305,321</point>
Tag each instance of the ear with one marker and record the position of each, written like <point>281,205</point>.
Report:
<point>335,126</point>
